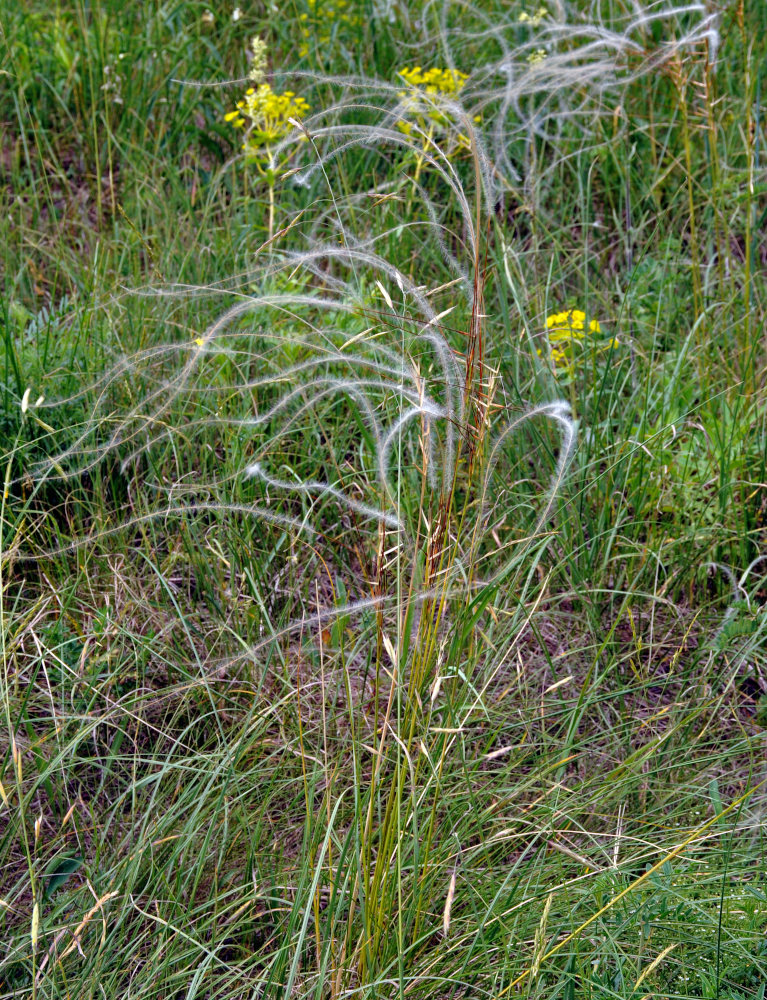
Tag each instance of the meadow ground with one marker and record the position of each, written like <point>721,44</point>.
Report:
<point>383,446</point>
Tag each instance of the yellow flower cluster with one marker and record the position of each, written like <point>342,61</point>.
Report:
<point>564,325</point>
<point>262,112</point>
<point>533,19</point>
<point>425,88</point>
<point>266,115</point>
<point>322,20</point>
<point>567,331</point>
<point>434,81</point>
<point>258,60</point>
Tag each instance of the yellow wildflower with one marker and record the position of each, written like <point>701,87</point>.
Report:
<point>266,115</point>
<point>434,81</point>
<point>263,113</point>
<point>258,61</point>
<point>426,89</point>
<point>533,19</point>
<point>568,330</point>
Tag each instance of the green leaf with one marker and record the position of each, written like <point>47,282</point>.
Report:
<point>57,872</point>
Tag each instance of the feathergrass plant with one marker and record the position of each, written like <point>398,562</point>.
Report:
<point>354,644</point>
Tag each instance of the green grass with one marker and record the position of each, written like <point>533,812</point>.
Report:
<point>494,726</point>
